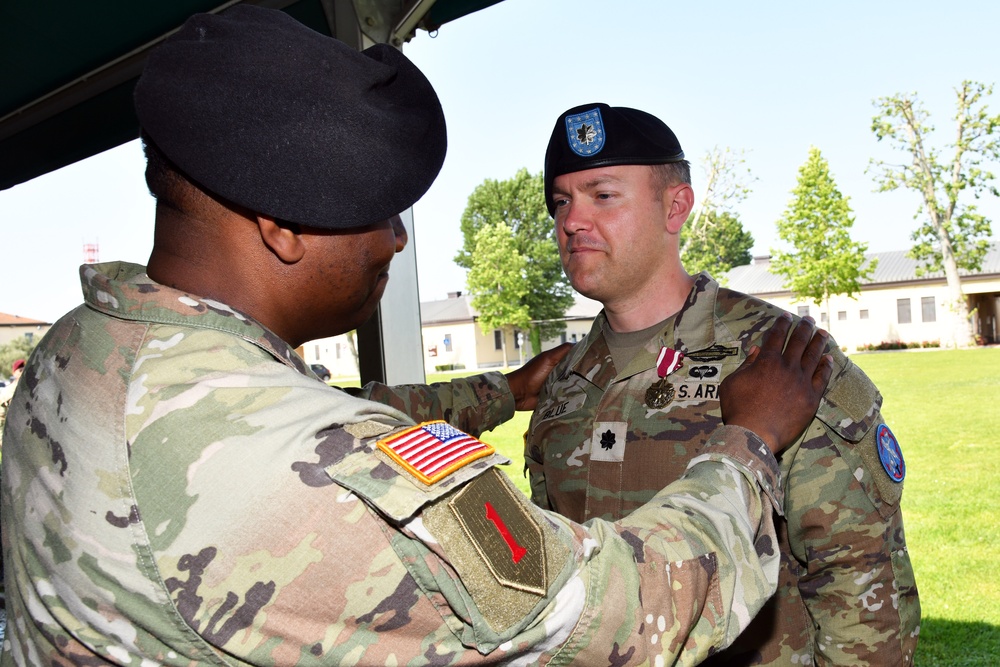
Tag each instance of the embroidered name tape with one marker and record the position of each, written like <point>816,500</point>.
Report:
<point>433,450</point>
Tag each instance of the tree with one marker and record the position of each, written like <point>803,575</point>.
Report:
<point>817,224</point>
<point>519,203</point>
<point>498,282</point>
<point>722,245</point>
<point>952,236</point>
<point>713,239</point>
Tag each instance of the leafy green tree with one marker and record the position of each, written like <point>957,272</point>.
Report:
<point>717,246</point>
<point>713,238</point>
<point>952,235</point>
<point>498,282</point>
<point>519,203</point>
<point>817,225</point>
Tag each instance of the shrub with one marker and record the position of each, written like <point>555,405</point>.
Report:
<point>441,368</point>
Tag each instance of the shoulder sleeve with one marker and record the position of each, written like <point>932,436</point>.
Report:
<point>685,573</point>
<point>474,404</point>
<point>846,529</point>
<point>851,411</point>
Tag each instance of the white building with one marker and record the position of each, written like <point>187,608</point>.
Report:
<point>453,339</point>
<point>894,306</point>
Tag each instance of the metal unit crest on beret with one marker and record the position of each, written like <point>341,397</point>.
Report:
<point>585,132</point>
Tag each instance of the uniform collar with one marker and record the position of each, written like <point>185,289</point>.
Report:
<point>124,291</point>
<point>691,329</point>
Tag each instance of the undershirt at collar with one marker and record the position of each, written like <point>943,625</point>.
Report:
<point>625,345</point>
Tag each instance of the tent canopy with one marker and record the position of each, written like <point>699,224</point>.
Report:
<point>69,67</point>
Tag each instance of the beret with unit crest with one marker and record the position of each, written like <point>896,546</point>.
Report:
<point>269,114</point>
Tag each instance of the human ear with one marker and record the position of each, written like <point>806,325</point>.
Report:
<point>284,240</point>
<point>680,207</point>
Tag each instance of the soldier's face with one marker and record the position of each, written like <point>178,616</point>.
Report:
<point>611,229</point>
<point>349,271</point>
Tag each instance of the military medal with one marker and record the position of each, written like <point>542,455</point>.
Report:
<point>661,392</point>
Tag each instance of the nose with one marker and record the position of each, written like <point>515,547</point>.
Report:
<point>400,231</point>
<point>572,218</point>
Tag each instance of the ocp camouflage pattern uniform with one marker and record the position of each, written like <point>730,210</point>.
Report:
<point>179,489</point>
<point>595,449</point>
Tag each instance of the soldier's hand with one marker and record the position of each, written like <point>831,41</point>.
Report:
<point>775,394</point>
<point>526,381</point>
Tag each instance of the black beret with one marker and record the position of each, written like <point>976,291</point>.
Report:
<point>597,135</point>
<point>261,110</point>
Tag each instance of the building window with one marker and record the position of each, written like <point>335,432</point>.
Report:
<point>927,309</point>
<point>497,339</point>
<point>317,353</point>
<point>447,342</point>
<point>841,314</point>
<point>903,311</point>
<point>803,311</point>
<point>518,337</point>
<point>562,337</point>
<point>863,314</point>
<point>822,317</point>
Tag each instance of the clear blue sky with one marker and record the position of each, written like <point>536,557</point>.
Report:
<point>769,78</point>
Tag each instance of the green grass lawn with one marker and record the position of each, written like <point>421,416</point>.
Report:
<point>944,407</point>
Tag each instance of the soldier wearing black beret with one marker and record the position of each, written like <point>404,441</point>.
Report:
<point>180,489</point>
<point>633,404</point>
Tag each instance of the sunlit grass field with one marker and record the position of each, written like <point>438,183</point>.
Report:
<point>944,407</point>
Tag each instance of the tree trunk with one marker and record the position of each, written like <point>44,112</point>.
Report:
<point>829,317</point>
<point>503,346</point>
<point>354,350</point>
<point>960,330</point>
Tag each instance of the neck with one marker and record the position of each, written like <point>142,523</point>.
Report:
<point>189,249</point>
<point>660,299</point>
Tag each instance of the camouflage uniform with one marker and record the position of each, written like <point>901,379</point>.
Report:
<point>846,594</point>
<point>179,489</point>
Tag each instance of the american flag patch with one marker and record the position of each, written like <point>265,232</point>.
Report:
<point>433,450</point>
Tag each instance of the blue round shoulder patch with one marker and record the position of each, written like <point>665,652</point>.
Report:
<point>890,454</point>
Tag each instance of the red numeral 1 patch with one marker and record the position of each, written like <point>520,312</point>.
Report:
<point>503,532</point>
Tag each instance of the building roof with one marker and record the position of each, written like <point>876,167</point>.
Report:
<point>892,267</point>
<point>458,308</point>
<point>18,321</point>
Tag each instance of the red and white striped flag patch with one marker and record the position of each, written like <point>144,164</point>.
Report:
<point>433,450</point>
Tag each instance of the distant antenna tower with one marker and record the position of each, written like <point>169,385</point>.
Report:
<point>91,253</point>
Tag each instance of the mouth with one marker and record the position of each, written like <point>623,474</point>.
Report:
<point>582,246</point>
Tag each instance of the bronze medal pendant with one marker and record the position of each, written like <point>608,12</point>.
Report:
<point>659,394</point>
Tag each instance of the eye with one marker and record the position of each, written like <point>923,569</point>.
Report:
<point>559,202</point>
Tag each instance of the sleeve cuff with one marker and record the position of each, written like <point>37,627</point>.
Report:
<point>735,444</point>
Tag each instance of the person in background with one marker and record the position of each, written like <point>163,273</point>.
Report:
<point>7,392</point>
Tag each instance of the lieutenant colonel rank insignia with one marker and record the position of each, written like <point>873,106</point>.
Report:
<point>890,454</point>
<point>585,132</point>
<point>433,450</point>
